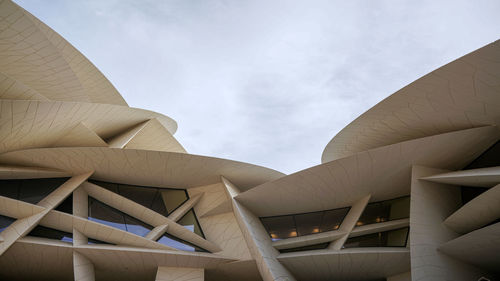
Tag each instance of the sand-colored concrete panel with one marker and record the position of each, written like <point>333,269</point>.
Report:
<point>12,89</point>
<point>460,95</point>
<point>484,177</point>
<point>383,172</point>
<point>156,232</point>
<point>42,60</point>
<point>179,274</point>
<point>122,138</point>
<point>20,172</point>
<point>431,203</point>
<point>154,136</point>
<point>31,123</point>
<point>400,277</point>
<point>258,240</point>
<point>478,212</point>
<point>347,264</point>
<point>80,135</point>
<point>18,209</point>
<point>143,167</point>
<point>480,247</point>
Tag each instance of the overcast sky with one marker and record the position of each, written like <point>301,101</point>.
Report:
<point>266,82</point>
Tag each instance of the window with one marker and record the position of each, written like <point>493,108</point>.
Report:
<point>306,248</point>
<point>391,238</point>
<point>5,222</point>
<point>161,200</point>
<point>179,244</point>
<point>190,222</point>
<point>393,209</point>
<point>102,213</point>
<point>66,206</point>
<point>29,190</point>
<point>287,226</point>
<point>50,233</point>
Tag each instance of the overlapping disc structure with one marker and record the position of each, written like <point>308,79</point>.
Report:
<point>92,189</point>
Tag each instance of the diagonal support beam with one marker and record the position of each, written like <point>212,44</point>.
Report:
<point>156,232</point>
<point>83,268</point>
<point>23,226</point>
<point>349,222</point>
<point>184,208</point>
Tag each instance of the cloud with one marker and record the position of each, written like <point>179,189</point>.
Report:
<point>266,82</point>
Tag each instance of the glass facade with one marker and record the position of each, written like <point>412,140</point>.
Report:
<point>50,233</point>
<point>287,226</point>
<point>5,222</point>
<point>190,222</point>
<point>66,206</point>
<point>161,200</point>
<point>179,244</point>
<point>391,238</point>
<point>306,248</point>
<point>29,190</point>
<point>102,213</point>
<point>382,211</point>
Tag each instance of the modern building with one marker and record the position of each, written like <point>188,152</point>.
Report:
<point>92,189</point>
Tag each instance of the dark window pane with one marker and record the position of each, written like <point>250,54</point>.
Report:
<point>392,238</point>
<point>179,244</point>
<point>50,233</point>
<point>66,206</point>
<point>10,188</point>
<point>137,227</point>
<point>394,209</point>
<point>280,227</point>
<point>95,241</point>
<point>306,248</point>
<point>34,190</point>
<point>190,222</point>
<point>332,219</point>
<point>489,158</point>
<point>173,198</point>
<point>158,205</point>
<point>113,187</point>
<point>471,192</point>
<point>308,223</point>
<point>29,190</point>
<point>5,222</point>
<point>104,214</point>
<point>138,194</point>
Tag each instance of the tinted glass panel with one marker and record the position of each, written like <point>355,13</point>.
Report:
<point>29,190</point>
<point>190,222</point>
<point>50,233</point>
<point>102,213</point>
<point>306,248</point>
<point>161,200</point>
<point>95,241</point>
<point>489,158</point>
<point>392,238</point>
<point>394,209</point>
<point>5,222</point>
<point>173,198</point>
<point>281,227</point>
<point>66,206</point>
<point>179,244</point>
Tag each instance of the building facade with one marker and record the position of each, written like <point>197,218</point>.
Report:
<point>92,189</point>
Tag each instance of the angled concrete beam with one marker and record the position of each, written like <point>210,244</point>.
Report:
<point>257,239</point>
<point>306,240</point>
<point>157,232</point>
<point>17,209</point>
<point>21,227</point>
<point>184,208</point>
<point>478,212</point>
<point>484,177</point>
<point>349,222</point>
<point>379,227</point>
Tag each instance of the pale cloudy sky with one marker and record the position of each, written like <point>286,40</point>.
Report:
<point>266,82</point>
